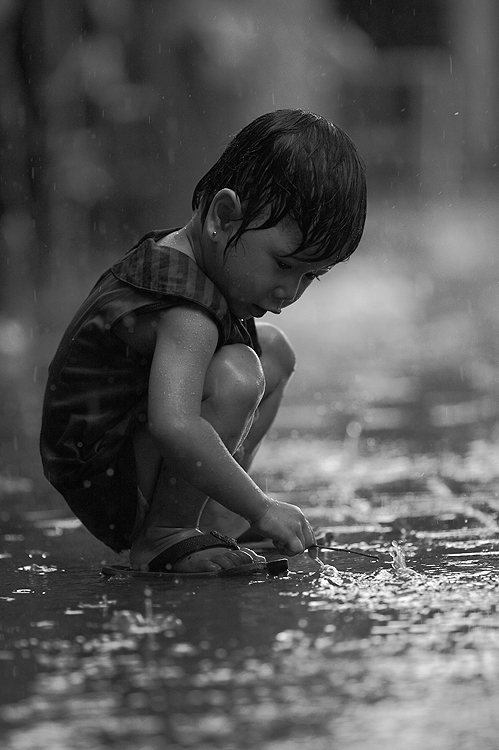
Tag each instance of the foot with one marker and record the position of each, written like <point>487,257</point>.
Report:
<point>215,560</point>
<point>215,516</point>
<point>156,541</point>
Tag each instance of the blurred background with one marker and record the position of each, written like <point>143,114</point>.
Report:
<point>110,112</point>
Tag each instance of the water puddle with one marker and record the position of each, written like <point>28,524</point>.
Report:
<point>398,611</point>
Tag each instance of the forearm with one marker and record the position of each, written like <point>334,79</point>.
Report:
<point>195,452</point>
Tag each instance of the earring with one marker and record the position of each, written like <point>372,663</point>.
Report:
<point>214,233</point>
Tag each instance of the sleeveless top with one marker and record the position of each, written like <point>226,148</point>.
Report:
<point>97,385</point>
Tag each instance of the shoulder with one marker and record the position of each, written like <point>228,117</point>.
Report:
<point>183,324</point>
<point>187,325</point>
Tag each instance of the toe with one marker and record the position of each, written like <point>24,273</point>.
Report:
<point>197,563</point>
<point>229,559</point>
<point>217,559</point>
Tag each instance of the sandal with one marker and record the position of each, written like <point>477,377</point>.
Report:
<point>193,540</point>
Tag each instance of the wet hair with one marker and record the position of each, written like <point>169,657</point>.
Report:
<point>294,165</point>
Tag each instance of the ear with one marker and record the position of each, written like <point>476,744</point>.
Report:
<point>223,215</point>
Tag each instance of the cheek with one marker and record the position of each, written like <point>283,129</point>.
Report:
<point>240,263</point>
<point>240,275</point>
<point>232,268</point>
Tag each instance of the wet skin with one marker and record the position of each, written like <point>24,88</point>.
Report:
<point>256,275</point>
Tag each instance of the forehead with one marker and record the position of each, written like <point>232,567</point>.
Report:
<point>289,238</point>
<point>285,238</point>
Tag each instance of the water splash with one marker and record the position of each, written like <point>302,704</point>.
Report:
<point>40,569</point>
<point>398,562</point>
<point>329,571</point>
<point>135,623</point>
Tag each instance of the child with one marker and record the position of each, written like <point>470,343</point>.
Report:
<point>163,386</point>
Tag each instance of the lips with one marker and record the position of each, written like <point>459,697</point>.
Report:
<point>275,310</point>
<point>258,311</point>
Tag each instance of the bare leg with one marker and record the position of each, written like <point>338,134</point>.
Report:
<point>233,389</point>
<point>278,363</point>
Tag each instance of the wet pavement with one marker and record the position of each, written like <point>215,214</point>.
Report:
<point>357,652</point>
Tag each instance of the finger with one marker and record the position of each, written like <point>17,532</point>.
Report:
<point>282,549</point>
<point>309,537</point>
<point>303,540</point>
<point>313,552</point>
<point>295,547</point>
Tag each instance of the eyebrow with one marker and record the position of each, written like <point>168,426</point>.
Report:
<point>319,271</point>
<point>286,253</point>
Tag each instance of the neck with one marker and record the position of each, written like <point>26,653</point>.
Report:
<point>180,241</point>
<point>193,235</point>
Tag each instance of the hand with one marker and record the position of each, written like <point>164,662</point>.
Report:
<point>288,528</point>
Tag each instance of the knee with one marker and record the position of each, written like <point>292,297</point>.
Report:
<point>278,356</point>
<point>236,376</point>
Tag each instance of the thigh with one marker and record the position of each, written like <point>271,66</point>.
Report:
<point>107,503</point>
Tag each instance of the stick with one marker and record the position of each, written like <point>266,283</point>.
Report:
<point>342,549</point>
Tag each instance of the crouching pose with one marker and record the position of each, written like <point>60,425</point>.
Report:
<point>163,385</point>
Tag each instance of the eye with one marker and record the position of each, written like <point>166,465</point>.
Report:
<point>282,265</point>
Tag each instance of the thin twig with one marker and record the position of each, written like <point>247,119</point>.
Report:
<point>342,549</point>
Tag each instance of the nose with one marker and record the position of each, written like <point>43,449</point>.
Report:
<point>282,300</point>
<point>286,294</point>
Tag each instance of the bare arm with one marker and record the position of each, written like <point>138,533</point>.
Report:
<point>185,344</point>
<point>186,341</point>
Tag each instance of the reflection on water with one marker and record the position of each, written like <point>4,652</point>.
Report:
<point>352,649</point>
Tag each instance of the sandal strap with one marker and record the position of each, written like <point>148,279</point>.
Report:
<point>166,559</point>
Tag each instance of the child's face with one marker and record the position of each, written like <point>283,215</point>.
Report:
<point>258,276</point>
